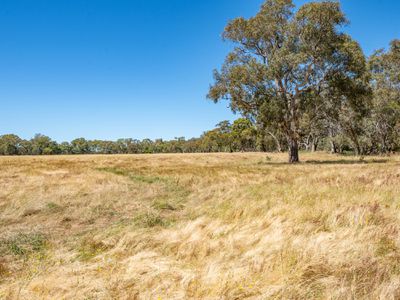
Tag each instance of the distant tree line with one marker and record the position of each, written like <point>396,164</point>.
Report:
<point>239,136</point>
<point>380,134</point>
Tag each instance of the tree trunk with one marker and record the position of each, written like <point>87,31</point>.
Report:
<point>307,142</point>
<point>293,151</point>
<point>357,146</point>
<point>278,144</point>
<point>334,148</point>
<point>314,145</point>
<point>292,133</point>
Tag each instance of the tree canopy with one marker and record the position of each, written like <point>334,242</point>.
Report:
<point>290,64</point>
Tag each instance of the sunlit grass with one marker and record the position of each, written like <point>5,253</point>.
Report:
<point>199,226</point>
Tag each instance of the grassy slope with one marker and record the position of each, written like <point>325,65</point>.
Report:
<point>201,226</point>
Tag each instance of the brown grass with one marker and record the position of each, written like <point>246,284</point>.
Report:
<point>199,226</point>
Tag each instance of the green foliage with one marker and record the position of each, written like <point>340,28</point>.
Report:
<point>287,64</point>
<point>41,144</point>
<point>383,127</point>
<point>216,140</point>
<point>10,144</point>
<point>80,146</point>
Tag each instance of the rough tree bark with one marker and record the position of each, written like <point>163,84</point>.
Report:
<point>292,133</point>
<point>293,150</point>
<point>314,145</point>
<point>334,148</point>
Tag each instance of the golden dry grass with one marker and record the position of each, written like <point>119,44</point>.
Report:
<point>199,226</point>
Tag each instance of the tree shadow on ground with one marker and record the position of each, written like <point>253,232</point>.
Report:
<point>329,162</point>
<point>346,162</point>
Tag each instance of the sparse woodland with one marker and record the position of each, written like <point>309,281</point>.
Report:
<point>299,83</point>
<point>196,224</point>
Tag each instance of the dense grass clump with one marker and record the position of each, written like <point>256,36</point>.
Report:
<point>23,244</point>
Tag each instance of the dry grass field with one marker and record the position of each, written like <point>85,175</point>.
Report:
<point>199,226</point>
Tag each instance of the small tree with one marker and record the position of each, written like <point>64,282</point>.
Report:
<point>286,63</point>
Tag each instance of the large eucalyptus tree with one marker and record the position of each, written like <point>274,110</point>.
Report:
<point>287,63</point>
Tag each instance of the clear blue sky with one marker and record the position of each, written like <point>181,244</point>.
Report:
<point>131,68</point>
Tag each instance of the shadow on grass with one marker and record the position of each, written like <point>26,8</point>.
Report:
<point>346,162</point>
<point>329,162</point>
